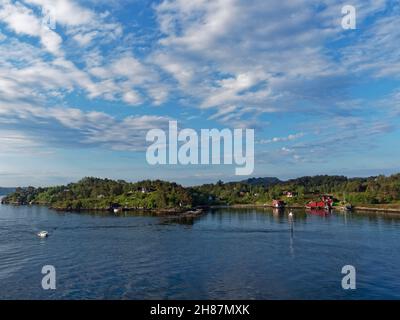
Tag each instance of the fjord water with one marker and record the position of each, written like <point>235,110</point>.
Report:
<point>225,254</point>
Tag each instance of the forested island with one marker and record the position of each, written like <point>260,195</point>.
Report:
<point>105,194</point>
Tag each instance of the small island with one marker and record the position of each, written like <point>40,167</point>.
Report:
<point>379,193</point>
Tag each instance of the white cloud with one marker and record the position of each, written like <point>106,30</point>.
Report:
<point>17,142</point>
<point>82,24</point>
<point>125,75</point>
<point>131,97</point>
<point>22,20</point>
<point>26,74</point>
<point>64,127</point>
<point>216,16</point>
<point>257,57</point>
<point>66,12</point>
<point>376,50</point>
<point>181,70</point>
<point>236,61</point>
<point>243,56</point>
<point>84,39</point>
<point>290,137</point>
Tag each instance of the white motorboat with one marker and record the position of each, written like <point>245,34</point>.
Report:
<point>43,234</point>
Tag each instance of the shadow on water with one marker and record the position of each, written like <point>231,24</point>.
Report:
<point>158,219</point>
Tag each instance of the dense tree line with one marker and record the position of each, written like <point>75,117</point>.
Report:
<point>104,194</point>
<point>94,193</point>
<point>372,190</point>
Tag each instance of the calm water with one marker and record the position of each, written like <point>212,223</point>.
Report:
<point>226,254</point>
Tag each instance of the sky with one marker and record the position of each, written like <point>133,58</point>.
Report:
<point>78,98</point>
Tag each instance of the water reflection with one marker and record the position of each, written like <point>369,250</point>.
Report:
<point>319,212</point>
<point>291,224</point>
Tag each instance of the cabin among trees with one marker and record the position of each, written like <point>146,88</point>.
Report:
<point>290,194</point>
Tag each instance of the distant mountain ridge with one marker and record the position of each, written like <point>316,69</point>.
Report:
<point>6,191</point>
<point>266,181</point>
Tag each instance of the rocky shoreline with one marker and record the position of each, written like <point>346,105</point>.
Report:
<point>336,208</point>
<point>197,211</point>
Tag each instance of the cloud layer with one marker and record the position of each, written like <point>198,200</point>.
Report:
<point>107,73</point>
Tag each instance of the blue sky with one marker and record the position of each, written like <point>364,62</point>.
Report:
<point>78,100</point>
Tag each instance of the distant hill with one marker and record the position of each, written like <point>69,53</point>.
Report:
<point>267,181</point>
<point>6,191</point>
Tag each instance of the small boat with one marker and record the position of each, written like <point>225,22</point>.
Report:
<point>347,207</point>
<point>43,234</point>
<point>344,207</point>
<point>278,204</point>
<point>326,203</point>
<point>315,205</point>
<point>290,214</point>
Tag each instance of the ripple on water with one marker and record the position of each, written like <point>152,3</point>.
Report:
<point>12,259</point>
